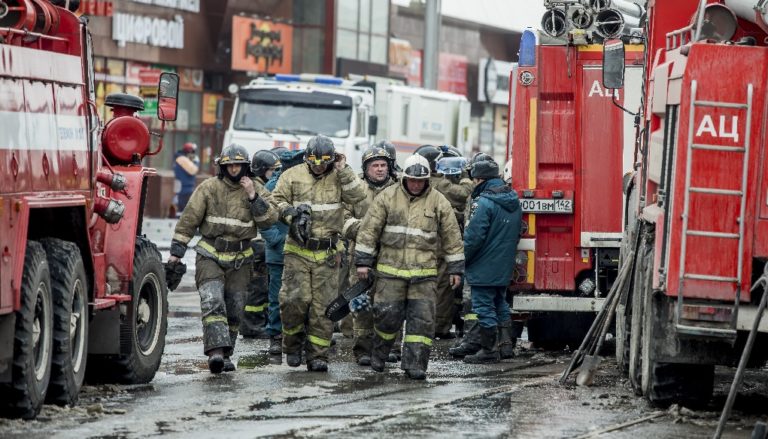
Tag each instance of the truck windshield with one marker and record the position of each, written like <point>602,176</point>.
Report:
<point>294,113</point>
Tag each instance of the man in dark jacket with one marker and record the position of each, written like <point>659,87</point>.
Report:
<point>490,244</point>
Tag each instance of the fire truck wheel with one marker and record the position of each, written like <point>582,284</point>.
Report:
<point>69,286</point>
<point>24,396</point>
<point>148,326</point>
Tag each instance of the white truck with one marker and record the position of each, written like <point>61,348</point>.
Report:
<point>288,110</point>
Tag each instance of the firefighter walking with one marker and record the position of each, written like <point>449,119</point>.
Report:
<point>377,166</point>
<point>227,209</point>
<point>309,198</point>
<point>399,237</point>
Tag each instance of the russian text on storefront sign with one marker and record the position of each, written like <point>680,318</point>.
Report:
<point>131,28</point>
<point>184,5</point>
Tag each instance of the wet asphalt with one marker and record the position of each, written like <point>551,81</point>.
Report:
<point>516,398</point>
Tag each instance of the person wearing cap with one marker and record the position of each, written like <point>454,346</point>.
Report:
<point>398,238</point>
<point>377,177</point>
<point>186,165</point>
<point>490,245</point>
<point>227,210</point>
<point>309,197</point>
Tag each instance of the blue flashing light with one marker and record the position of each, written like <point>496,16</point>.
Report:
<point>287,78</point>
<point>329,80</point>
<point>527,56</point>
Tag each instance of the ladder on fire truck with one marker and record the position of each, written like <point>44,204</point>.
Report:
<point>743,151</point>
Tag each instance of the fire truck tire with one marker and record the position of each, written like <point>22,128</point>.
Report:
<point>142,335</point>
<point>146,331</point>
<point>33,341</point>
<point>641,280</point>
<point>69,287</point>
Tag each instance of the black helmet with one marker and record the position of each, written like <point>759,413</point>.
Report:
<point>484,169</point>
<point>320,151</point>
<point>279,150</point>
<point>375,153</point>
<point>431,153</point>
<point>450,151</point>
<point>232,155</point>
<point>394,168</point>
<point>263,161</point>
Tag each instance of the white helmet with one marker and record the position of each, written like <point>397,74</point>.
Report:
<point>508,172</point>
<point>416,167</point>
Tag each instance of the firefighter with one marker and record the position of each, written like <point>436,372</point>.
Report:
<point>226,209</point>
<point>394,168</point>
<point>490,245</point>
<point>398,237</point>
<point>376,174</point>
<point>274,237</point>
<point>457,190</point>
<point>254,323</point>
<point>185,168</point>
<point>309,198</point>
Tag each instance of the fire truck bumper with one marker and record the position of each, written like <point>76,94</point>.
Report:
<point>543,303</point>
<point>746,318</point>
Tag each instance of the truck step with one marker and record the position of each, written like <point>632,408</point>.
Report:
<point>712,234</point>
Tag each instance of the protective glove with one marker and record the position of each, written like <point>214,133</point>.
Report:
<point>360,303</point>
<point>174,271</point>
<point>288,214</point>
<point>301,224</point>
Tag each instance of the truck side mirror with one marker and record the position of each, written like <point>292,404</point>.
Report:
<point>373,125</point>
<point>167,96</point>
<point>613,64</point>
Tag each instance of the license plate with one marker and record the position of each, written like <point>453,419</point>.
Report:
<point>538,205</point>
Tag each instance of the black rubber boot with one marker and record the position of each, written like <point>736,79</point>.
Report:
<point>377,364</point>
<point>416,374</point>
<point>468,345</point>
<point>293,360</point>
<point>489,352</point>
<point>393,357</point>
<point>507,340</point>
<point>364,360</point>
<point>229,366</point>
<point>216,360</point>
<point>276,345</point>
<point>317,365</point>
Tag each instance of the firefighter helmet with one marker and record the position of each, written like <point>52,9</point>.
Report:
<point>263,161</point>
<point>431,153</point>
<point>233,154</point>
<point>416,167</point>
<point>450,151</point>
<point>451,165</point>
<point>375,153</point>
<point>320,151</point>
<point>485,169</point>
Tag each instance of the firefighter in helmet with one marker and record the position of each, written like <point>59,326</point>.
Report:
<point>254,323</point>
<point>309,198</point>
<point>402,247</point>
<point>376,175</point>
<point>227,210</point>
<point>394,169</point>
<point>457,190</point>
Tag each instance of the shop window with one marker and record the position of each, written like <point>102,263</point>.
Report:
<point>362,28</point>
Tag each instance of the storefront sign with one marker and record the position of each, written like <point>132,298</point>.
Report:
<point>261,46</point>
<point>95,8</point>
<point>154,31</point>
<point>452,73</point>
<point>210,101</point>
<point>493,81</point>
<point>184,5</point>
<point>190,79</point>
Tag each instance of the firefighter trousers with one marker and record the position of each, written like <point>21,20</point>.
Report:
<point>446,304</point>
<point>308,288</point>
<point>256,299</point>
<point>398,299</point>
<point>221,302</point>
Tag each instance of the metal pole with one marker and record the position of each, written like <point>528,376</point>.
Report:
<point>431,43</point>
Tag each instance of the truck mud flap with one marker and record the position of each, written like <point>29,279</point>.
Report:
<point>7,330</point>
<point>104,334</point>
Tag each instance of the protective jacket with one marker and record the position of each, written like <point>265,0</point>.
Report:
<point>456,193</point>
<point>402,233</point>
<point>354,213</point>
<point>226,219</point>
<point>492,234</point>
<point>324,194</point>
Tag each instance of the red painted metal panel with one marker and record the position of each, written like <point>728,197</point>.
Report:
<point>707,65</point>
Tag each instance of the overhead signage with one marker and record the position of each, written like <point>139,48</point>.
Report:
<point>261,46</point>
<point>183,5</point>
<point>493,81</point>
<point>153,31</point>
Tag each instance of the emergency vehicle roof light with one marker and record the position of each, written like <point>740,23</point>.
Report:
<point>527,49</point>
<point>318,79</point>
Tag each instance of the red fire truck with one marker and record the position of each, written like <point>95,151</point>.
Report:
<point>570,145</point>
<point>78,284</point>
<point>700,213</point>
